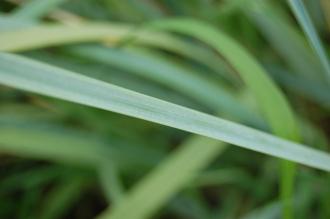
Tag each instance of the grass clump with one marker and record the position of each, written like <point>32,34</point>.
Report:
<point>132,109</point>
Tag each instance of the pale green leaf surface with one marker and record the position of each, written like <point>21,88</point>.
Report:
<point>32,76</point>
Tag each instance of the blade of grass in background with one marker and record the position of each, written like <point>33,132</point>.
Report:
<point>31,144</point>
<point>33,76</point>
<point>33,9</point>
<point>112,185</point>
<point>103,32</point>
<point>65,145</point>
<point>166,179</point>
<point>315,92</point>
<point>63,196</point>
<point>284,38</point>
<point>275,25</point>
<point>33,178</point>
<point>306,23</point>
<point>117,77</point>
<point>270,99</point>
<point>326,11</point>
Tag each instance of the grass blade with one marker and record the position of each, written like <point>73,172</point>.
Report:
<point>29,37</point>
<point>283,36</point>
<point>22,73</point>
<point>306,23</point>
<point>110,181</point>
<point>63,196</point>
<point>150,194</point>
<point>41,141</point>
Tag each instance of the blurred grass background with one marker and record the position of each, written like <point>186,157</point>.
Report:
<point>63,160</point>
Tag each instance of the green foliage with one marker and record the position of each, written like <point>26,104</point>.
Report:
<point>132,109</point>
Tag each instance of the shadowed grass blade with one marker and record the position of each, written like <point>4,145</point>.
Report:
<point>306,23</point>
<point>284,38</point>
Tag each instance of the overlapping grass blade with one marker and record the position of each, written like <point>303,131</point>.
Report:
<point>186,81</point>
<point>115,76</point>
<point>33,178</point>
<point>306,23</point>
<point>113,33</point>
<point>275,25</point>
<point>270,99</point>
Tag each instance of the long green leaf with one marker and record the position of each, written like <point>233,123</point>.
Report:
<point>22,73</point>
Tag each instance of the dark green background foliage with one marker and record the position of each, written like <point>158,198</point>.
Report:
<point>257,63</point>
